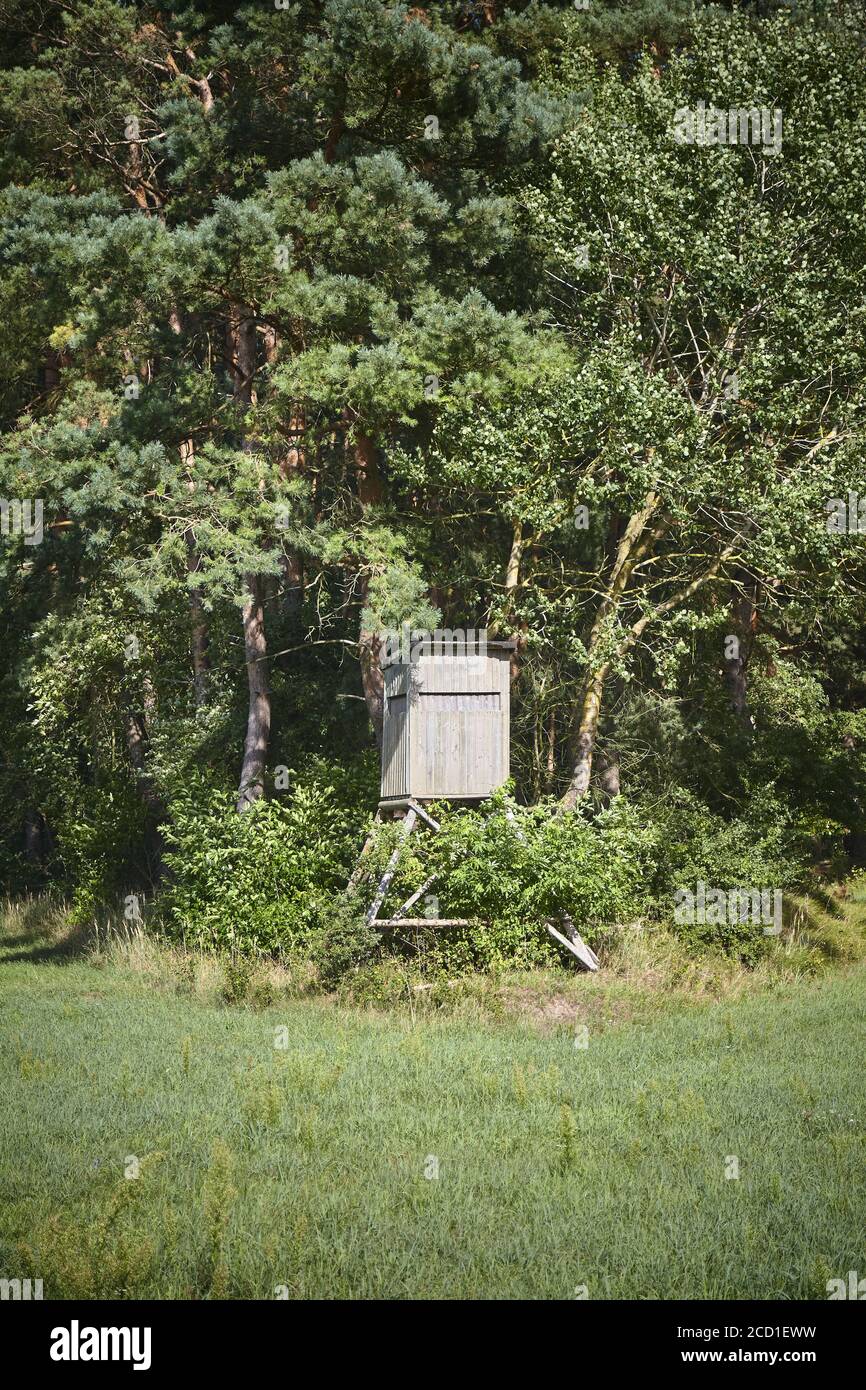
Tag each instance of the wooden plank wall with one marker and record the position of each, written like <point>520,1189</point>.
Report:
<point>395,734</point>
<point>450,737</point>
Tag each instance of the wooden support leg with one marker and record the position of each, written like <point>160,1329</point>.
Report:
<point>359,867</point>
<point>572,938</point>
<point>575,943</point>
<point>425,815</point>
<point>576,939</point>
<point>385,881</point>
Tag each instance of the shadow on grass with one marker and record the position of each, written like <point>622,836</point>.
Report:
<point>74,946</point>
<point>34,929</point>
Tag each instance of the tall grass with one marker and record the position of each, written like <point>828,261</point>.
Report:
<point>160,1143</point>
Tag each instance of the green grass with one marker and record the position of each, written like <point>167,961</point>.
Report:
<point>559,1166</point>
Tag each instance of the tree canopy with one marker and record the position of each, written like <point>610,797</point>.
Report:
<point>323,317</point>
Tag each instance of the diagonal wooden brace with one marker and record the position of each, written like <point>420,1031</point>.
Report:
<point>358,870</point>
<point>410,902</point>
<point>385,882</point>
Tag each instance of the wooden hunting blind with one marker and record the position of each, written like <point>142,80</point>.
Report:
<point>445,735</point>
<point>445,729</point>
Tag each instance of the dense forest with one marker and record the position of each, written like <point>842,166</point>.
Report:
<point>322,317</point>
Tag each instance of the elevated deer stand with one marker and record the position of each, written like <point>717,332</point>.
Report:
<point>445,737</point>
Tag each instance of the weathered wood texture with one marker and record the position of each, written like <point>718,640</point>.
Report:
<point>578,947</point>
<point>385,881</point>
<point>427,922</point>
<point>446,726</point>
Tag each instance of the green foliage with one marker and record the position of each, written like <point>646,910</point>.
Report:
<point>344,942</point>
<point>238,977</point>
<point>354,307</point>
<point>513,868</point>
<point>756,851</point>
<point>257,882</point>
<point>102,835</point>
<point>694,842</point>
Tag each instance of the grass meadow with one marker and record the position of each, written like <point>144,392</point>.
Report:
<point>558,1138</point>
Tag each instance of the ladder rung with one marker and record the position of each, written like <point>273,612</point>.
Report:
<point>425,922</point>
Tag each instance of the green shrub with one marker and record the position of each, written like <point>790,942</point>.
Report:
<point>759,850</point>
<point>344,941</point>
<point>511,868</point>
<point>256,882</point>
<point>100,833</point>
<point>238,973</point>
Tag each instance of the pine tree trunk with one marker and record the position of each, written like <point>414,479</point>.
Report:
<point>252,785</point>
<point>512,582</point>
<point>584,742</point>
<point>136,726</point>
<point>293,567</point>
<point>199,627</point>
<point>550,766</point>
<point>372,682</point>
<point>369,482</point>
<point>241,343</point>
<point>609,773</point>
<point>291,464</point>
<point>32,836</point>
<point>735,678</point>
<point>199,633</point>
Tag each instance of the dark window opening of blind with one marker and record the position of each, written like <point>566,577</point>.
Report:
<point>463,701</point>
